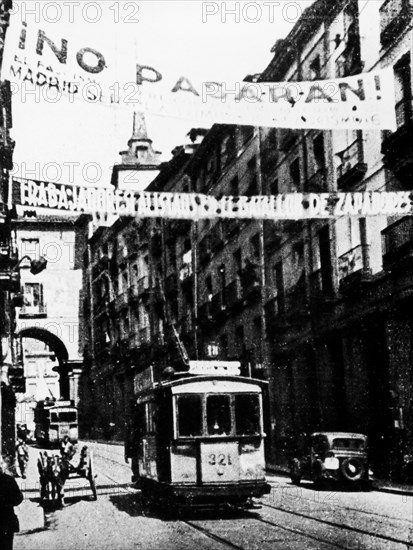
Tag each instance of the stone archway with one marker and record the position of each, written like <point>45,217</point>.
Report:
<point>58,347</point>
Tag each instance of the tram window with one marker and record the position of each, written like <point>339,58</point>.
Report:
<point>189,415</point>
<point>218,415</point>
<point>247,414</point>
<point>68,416</point>
<point>63,416</point>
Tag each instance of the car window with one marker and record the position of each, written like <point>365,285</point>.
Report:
<point>319,443</point>
<point>350,444</point>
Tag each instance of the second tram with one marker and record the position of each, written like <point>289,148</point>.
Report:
<point>199,439</point>
<point>54,420</point>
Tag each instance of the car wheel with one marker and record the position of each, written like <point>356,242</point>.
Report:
<point>295,472</point>
<point>353,469</point>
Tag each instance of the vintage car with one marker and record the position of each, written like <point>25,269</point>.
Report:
<point>338,456</point>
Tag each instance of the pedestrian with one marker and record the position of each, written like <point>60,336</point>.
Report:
<point>67,449</point>
<point>10,496</point>
<point>22,456</point>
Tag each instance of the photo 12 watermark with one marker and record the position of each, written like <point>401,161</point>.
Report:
<point>72,12</point>
<point>251,12</point>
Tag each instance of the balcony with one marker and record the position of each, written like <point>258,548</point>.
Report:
<point>295,299</point>
<point>133,292</point>
<point>144,336</point>
<point>273,310</point>
<point>233,294</point>
<point>395,15</point>
<point>218,307</point>
<point>205,318</point>
<point>252,291</point>
<point>397,241</point>
<point>349,61</point>
<point>33,311</point>
<point>121,301</point>
<point>185,273</point>
<point>396,146</point>
<point>143,285</point>
<point>316,285</point>
<point>269,152</point>
<point>186,325</point>
<point>317,183</point>
<point>352,168</point>
<point>352,273</point>
<point>134,340</point>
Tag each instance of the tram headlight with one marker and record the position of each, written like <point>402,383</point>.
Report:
<point>248,447</point>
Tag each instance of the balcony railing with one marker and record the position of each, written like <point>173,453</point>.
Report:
<point>295,298</point>
<point>394,17</point>
<point>186,325</point>
<point>144,335</point>
<point>33,311</point>
<point>352,167</point>
<point>353,273</point>
<point>122,300</point>
<point>317,183</point>
<point>397,241</point>
<point>185,272</point>
<point>233,293</point>
<point>217,305</point>
<point>316,284</point>
<point>134,340</point>
<point>143,284</point>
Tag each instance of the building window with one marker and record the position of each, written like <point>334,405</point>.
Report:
<point>325,260</point>
<point>315,68</point>
<point>295,173</point>
<point>33,294</point>
<point>318,149</point>
<point>255,247</point>
<point>403,92</point>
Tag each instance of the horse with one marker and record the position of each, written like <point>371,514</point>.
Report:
<point>53,471</point>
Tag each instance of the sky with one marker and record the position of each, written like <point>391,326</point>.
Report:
<point>204,41</point>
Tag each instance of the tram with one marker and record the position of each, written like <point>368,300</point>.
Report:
<point>198,438</point>
<point>54,420</point>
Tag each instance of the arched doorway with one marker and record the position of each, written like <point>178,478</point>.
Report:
<point>58,348</point>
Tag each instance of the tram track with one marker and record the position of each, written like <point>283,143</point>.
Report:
<point>283,526</point>
<point>336,525</point>
<point>342,507</point>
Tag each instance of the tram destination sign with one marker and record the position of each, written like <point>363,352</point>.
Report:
<point>219,368</point>
<point>107,201</point>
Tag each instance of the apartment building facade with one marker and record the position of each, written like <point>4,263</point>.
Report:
<point>321,309</point>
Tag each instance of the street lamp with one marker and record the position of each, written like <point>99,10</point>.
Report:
<point>36,266</point>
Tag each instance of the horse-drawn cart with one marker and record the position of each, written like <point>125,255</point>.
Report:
<point>55,470</point>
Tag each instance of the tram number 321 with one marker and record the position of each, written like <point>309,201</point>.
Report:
<point>220,460</point>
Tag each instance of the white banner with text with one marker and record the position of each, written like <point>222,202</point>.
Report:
<point>49,66</point>
<point>101,201</point>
